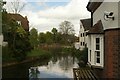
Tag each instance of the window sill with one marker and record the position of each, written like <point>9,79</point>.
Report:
<point>95,66</point>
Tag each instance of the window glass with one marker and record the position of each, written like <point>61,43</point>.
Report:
<point>81,43</point>
<point>97,56</point>
<point>97,43</point>
<point>90,55</point>
<point>81,34</point>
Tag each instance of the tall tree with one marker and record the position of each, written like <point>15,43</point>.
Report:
<point>42,38</point>
<point>17,6</point>
<point>33,37</point>
<point>49,37</point>
<point>66,28</point>
<point>54,31</point>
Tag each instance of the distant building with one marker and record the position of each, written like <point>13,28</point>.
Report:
<point>85,25</point>
<point>104,38</point>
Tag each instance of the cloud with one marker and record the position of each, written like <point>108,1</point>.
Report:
<point>51,16</point>
<point>76,9</point>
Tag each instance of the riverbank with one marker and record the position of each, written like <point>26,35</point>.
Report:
<point>35,54</point>
<point>43,54</point>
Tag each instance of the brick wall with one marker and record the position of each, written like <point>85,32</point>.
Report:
<point>112,42</point>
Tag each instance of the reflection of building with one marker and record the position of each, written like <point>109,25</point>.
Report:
<point>23,21</point>
<point>104,39</point>
<point>85,25</point>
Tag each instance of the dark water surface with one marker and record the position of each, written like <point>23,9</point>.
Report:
<point>56,67</point>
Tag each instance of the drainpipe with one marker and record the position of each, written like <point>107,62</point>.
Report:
<point>91,19</point>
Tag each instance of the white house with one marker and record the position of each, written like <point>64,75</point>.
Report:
<point>96,45</point>
<point>104,38</point>
<point>85,25</point>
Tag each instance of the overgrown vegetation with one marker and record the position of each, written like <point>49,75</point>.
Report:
<point>42,54</point>
<point>16,36</point>
<point>82,57</point>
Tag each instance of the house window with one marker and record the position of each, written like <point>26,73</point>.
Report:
<point>90,55</point>
<point>81,34</point>
<point>97,43</point>
<point>19,22</point>
<point>81,43</point>
<point>97,56</point>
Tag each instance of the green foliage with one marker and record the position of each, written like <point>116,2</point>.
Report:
<point>7,55</point>
<point>49,38</point>
<point>42,54</point>
<point>41,38</point>
<point>33,37</point>
<point>83,57</point>
<point>54,31</point>
<point>16,37</point>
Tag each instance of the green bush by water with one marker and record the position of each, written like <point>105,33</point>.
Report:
<point>42,54</point>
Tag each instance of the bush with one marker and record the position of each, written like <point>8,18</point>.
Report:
<point>42,54</point>
<point>7,54</point>
<point>82,56</point>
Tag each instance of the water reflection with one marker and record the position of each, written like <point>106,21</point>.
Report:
<point>58,67</point>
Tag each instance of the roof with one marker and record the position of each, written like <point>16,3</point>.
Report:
<point>86,23</point>
<point>97,28</point>
<point>92,6</point>
<point>24,20</point>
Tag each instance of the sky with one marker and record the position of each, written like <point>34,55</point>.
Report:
<point>46,14</point>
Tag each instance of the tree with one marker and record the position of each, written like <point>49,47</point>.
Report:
<point>16,37</point>
<point>49,37</point>
<point>66,28</point>
<point>42,38</point>
<point>54,31</point>
<point>17,6</point>
<point>33,37</point>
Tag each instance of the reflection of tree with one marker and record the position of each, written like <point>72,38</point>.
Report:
<point>66,63</point>
<point>54,59</point>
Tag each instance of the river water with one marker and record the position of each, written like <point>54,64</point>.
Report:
<point>56,67</point>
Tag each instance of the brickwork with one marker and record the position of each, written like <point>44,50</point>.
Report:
<point>112,55</point>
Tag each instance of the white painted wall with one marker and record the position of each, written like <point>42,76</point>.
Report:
<point>92,47</point>
<point>1,39</point>
<point>77,45</point>
<point>82,39</point>
<point>119,14</point>
<point>99,14</point>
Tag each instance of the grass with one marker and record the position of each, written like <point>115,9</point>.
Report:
<point>42,54</point>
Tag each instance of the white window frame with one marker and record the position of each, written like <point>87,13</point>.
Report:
<point>97,50</point>
<point>19,22</point>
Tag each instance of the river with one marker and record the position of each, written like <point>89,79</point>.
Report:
<point>56,67</point>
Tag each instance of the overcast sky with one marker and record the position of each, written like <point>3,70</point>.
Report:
<point>46,14</point>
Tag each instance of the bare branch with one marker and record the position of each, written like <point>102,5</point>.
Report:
<point>17,6</point>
